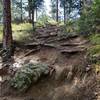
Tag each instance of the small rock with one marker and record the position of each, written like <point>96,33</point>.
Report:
<point>5,99</point>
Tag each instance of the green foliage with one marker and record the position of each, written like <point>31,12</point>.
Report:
<point>70,28</point>
<point>94,50</point>
<point>28,74</point>
<point>94,54</point>
<point>95,39</point>
<point>86,23</point>
<point>43,20</point>
<point>96,8</point>
<point>90,18</point>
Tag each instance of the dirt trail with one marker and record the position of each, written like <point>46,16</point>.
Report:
<point>63,55</point>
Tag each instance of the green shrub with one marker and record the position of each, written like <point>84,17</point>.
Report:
<point>95,39</point>
<point>86,23</point>
<point>69,29</point>
<point>71,26</point>
<point>94,50</point>
<point>43,20</point>
<point>94,54</point>
<point>90,18</point>
<point>27,75</point>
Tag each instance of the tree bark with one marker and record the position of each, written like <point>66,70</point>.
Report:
<point>21,10</point>
<point>7,30</point>
<point>36,13</point>
<point>64,14</point>
<point>30,11</point>
<point>57,10</point>
<point>33,17</point>
<point>33,11</point>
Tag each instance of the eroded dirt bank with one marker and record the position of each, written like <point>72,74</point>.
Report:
<point>70,77</point>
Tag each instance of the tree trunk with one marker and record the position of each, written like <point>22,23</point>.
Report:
<point>33,17</point>
<point>81,7</point>
<point>30,11</point>
<point>64,14</point>
<point>21,11</point>
<point>7,31</point>
<point>36,13</point>
<point>57,10</point>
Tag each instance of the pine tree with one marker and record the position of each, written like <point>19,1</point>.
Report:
<point>7,31</point>
<point>57,8</point>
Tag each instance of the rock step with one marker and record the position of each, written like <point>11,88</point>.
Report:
<point>71,49</point>
<point>74,44</point>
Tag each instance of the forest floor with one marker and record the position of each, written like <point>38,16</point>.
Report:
<point>70,77</point>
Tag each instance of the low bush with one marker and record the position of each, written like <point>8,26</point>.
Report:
<point>94,54</point>
<point>94,51</point>
<point>95,39</point>
<point>28,74</point>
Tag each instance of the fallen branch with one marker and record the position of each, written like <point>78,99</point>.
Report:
<point>28,53</point>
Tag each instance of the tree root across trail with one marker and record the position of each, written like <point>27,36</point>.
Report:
<point>70,78</point>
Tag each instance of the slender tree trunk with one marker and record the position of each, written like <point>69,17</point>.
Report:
<point>81,7</point>
<point>21,10</point>
<point>64,14</point>
<point>30,16</point>
<point>33,17</point>
<point>36,13</point>
<point>30,11</point>
<point>7,31</point>
<point>57,10</point>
